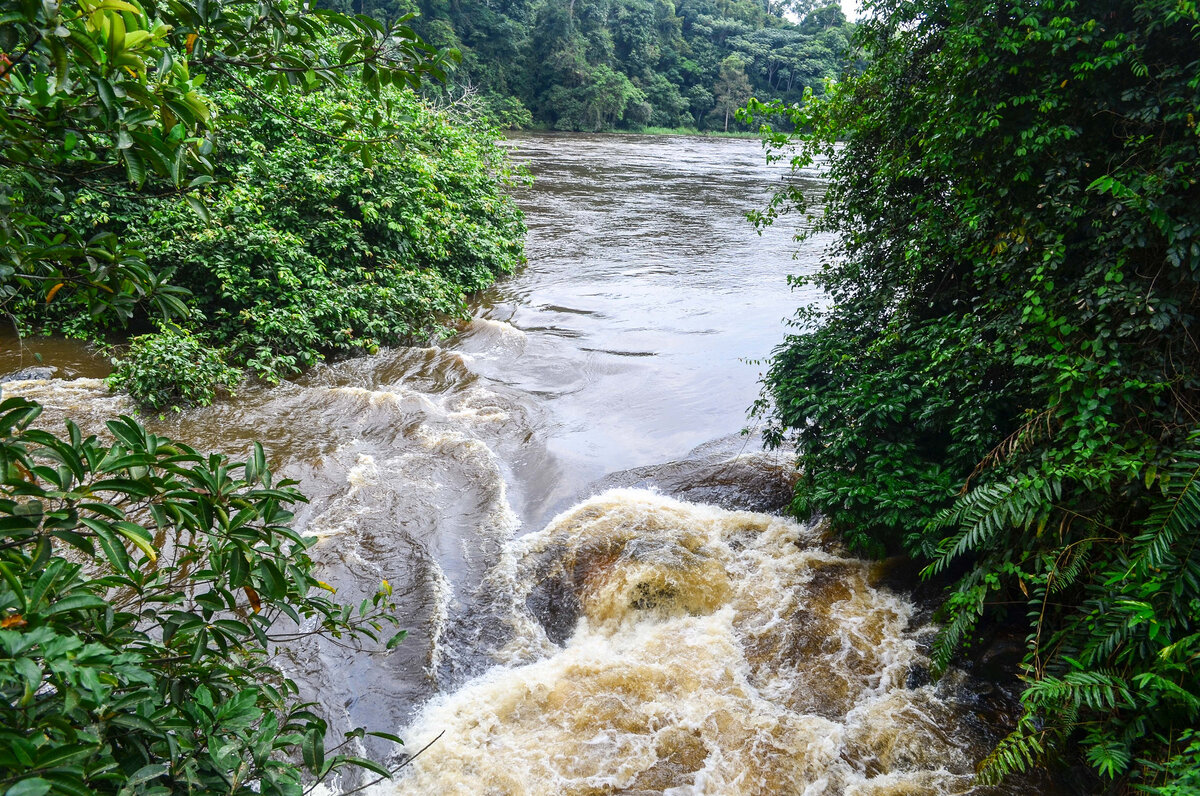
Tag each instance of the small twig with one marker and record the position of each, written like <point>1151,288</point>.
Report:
<point>395,770</point>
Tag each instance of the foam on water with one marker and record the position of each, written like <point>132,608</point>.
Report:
<point>637,644</point>
<point>77,399</point>
<point>488,336</point>
<point>701,651</point>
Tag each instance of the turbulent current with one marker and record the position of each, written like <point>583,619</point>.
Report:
<point>599,596</point>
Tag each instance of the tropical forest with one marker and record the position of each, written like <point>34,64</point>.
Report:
<point>629,64</point>
<point>521,397</point>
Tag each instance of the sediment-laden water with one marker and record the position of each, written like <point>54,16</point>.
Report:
<point>658,646</point>
<point>562,502</point>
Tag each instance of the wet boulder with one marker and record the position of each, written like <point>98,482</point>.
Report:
<point>30,374</point>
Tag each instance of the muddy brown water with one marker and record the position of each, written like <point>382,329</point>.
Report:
<point>598,601</point>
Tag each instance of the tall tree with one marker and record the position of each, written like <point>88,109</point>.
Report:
<point>732,89</point>
<point>534,54</point>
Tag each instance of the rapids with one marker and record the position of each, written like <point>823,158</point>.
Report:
<point>596,602</point>
<point>700,651</point>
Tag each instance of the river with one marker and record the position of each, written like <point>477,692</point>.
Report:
<point>598,598</point>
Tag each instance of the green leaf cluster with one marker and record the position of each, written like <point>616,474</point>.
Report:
<point>143,587</point>
<point>97,93</point>
<point>1005,383</point>
<point>173,369</point>
<point>311,204</point>
<point>309,252</point>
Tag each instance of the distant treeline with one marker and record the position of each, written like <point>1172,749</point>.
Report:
<point>629,64</point>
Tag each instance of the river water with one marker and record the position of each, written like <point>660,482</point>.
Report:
<point>598,600</point>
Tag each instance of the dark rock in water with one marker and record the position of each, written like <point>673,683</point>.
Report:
<point>1000,660</point>
<point>917,676</point>
<point>732,472</point>
<point>554,603</point>
<point>28,374</point>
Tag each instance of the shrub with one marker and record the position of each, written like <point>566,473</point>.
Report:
<point>308,252</point>
<point>142,587</point>
<point>173,368</point>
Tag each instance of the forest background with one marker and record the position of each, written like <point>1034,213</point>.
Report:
<point>592,65</point>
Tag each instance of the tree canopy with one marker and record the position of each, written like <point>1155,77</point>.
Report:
<point>1005,382</point>
<point>605,64</point>
<point>95,90</point>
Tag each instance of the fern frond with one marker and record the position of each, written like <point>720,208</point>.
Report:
<point>1176,516</point>
<point>1186,647</point>
<point>1095,690</point>
<point>1111,757</point>
<point>1169,689</point>
<point>1068,568</point>
<point>1109,627</point>
<point>966,607</point>
<point>985,511</point>
<point>1038,427</point>
<point>1018,752</point>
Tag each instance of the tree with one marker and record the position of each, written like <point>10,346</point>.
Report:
<point>1004,383</point>
<point>700,101</point>
<point>732,88</point>
<point>543,52</point>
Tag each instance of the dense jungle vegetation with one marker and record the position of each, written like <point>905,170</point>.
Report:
<point>1006,383</point>
<point>629,64</point>
<point>254,186</point>
<point>155,183</point>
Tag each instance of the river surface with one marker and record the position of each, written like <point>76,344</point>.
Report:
<point>599,598</point>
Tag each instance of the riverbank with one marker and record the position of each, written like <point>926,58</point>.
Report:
<point>690,132</point>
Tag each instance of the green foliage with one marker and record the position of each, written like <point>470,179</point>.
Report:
<point>173,368</point>
<point>599,102</point>
<point>506,112</point>
<point>732,89</point>
<point>308,254</point>
<point>332,219</point>
<point>94,93</point>
<point>1181,772</point>
<point>1004,382</point>
<point>624,64</point>
<point>142,589</point>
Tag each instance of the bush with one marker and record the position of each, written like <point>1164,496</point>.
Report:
<point>309,253</point>
<point>1006,383</point>
<point>173,368</point>
<point>507,112</point>
<point>142,587</point>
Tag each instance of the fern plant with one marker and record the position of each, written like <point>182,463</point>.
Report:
<point>1114,650</point>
